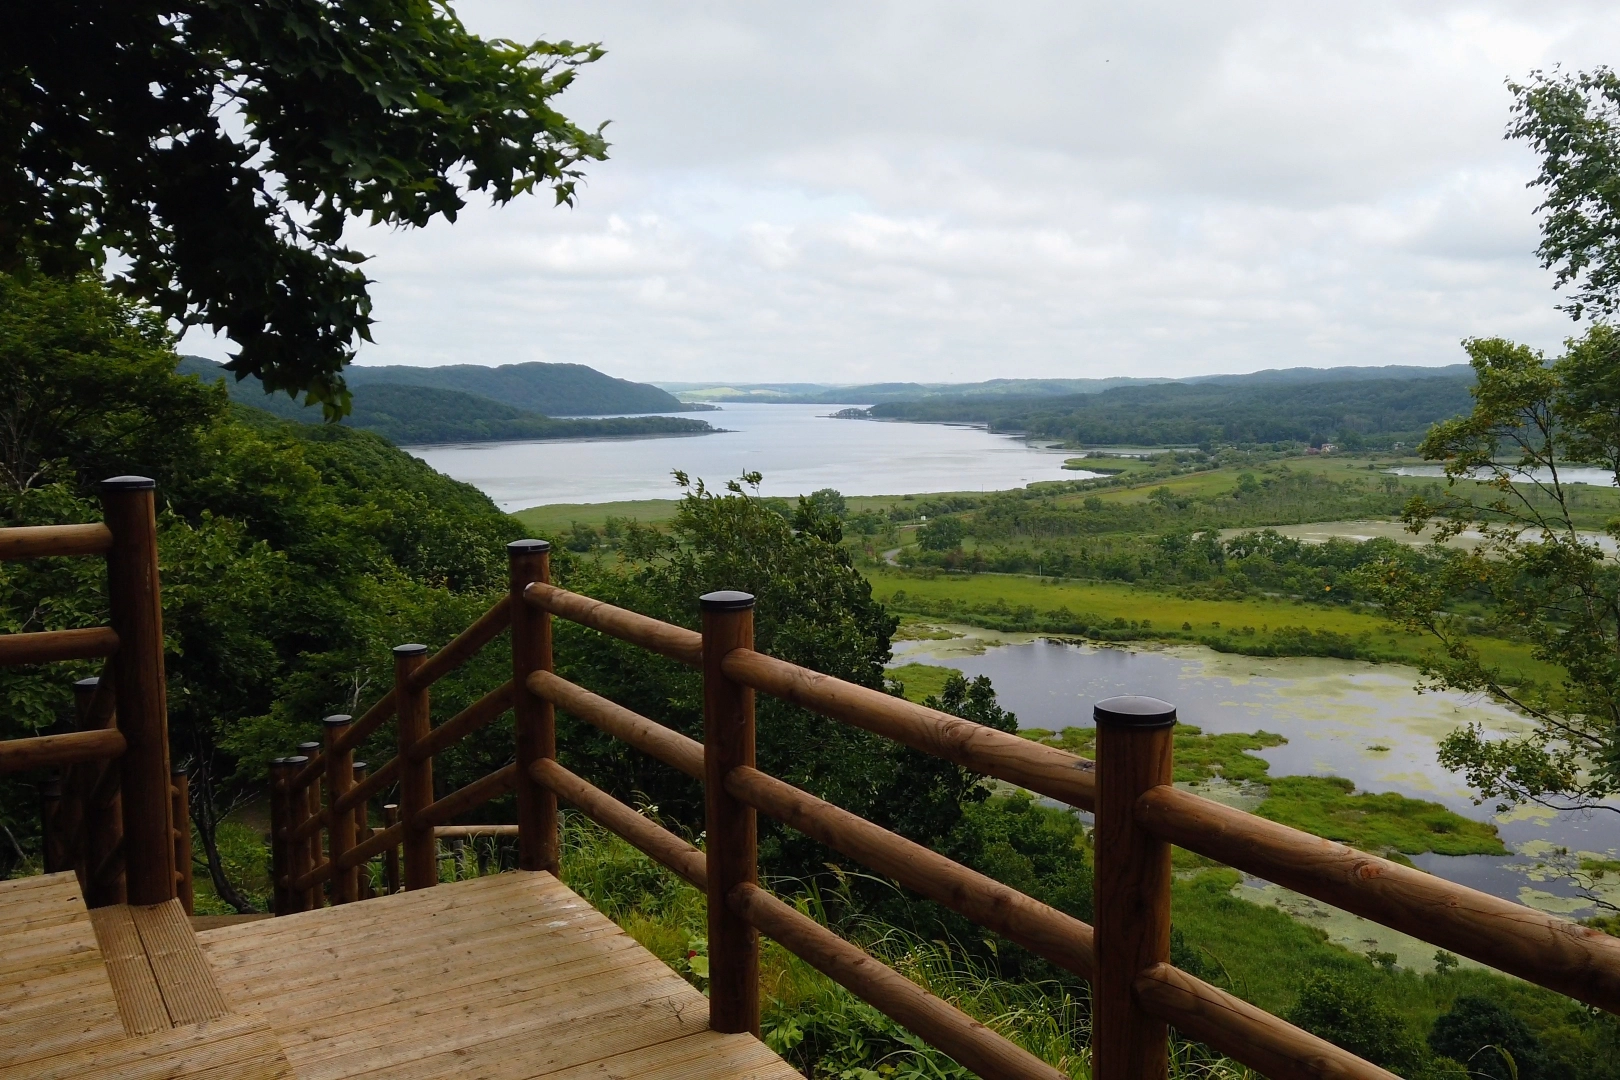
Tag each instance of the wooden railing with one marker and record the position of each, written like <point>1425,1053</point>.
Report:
<point>116,813</point>
<point>1136,992</point>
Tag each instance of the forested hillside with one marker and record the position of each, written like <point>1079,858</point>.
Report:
<point>1354,413</point>
<point>408,415</point>
<point>548,389</point>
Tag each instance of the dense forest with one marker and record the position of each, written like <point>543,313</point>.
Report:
<point>1352,413</point>
<point>408,414</point>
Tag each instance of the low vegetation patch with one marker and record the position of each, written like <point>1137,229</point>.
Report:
<point>1329,807</point>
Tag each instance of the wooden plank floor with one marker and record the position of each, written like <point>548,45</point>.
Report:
<point>119,993</point>
<point>507,977</point>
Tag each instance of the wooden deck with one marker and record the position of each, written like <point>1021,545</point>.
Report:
<point>508,977</point>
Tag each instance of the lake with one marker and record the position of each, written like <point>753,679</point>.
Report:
<point>1361,721</point>
<point>798,448</point>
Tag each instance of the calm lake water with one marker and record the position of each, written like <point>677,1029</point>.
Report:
<point>1361,721</point>
<point>798,448</point>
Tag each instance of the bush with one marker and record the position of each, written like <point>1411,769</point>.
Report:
<point>1485,1036</point>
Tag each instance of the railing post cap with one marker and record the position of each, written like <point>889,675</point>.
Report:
<point>128,483</point>
<point>528,547</point>
<point>726,600</point>
<point>89,683</point>
<point>337,719</point>
<point>1134,712</point>
<point>410,650</point>
<point>361,765</point>
<point>279,762</point>
<point>179,770</point>
<point>307,746</point>
<point>295,759</point>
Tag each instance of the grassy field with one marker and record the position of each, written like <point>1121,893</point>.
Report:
<point>1164,616</point>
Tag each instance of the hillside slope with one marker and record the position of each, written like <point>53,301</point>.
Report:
<point>548,389</point>
<point>409,415</point>
<point>1374,412</point>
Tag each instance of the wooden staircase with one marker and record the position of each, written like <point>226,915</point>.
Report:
<point>122,993</point>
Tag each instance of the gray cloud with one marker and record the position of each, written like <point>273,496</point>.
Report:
<point>844,192</point>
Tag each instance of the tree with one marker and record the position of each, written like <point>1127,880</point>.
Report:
<point>219,147</point>
<point>1573,122</point>
<point>941,534</point>
<point>1544,578</point>
<point>1483,1035</point>
<point>1347,1013</point>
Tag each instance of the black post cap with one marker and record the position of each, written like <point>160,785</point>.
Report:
<point>361,765</point>
<point>409,650</point>
<point>128,483</point>
<point>179,770</point>
<point>308,746</point>
<point>88,684</point>
<point>337,719</point>
<point>1135,712</point>
<point>296,759</point>
<point>528,547</point>
<point>726,600</point>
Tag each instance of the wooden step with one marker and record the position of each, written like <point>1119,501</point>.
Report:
<point>230,1048</point>
<point>55,995</point>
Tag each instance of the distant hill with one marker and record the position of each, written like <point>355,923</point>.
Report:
<point>411,415</point>
<point>547,389</point>
<point>878,393</point>
<point>1229,411</point>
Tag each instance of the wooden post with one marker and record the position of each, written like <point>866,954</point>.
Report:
<point>128,503</point>
<point>728,741</point>
<point>415,777</point>
<point>362,831</point>
<point>298,860</point>
<point>535,718</point>
<point>312,808</point>
<point>340,830</point>
<point>180,794</point>
<point>280,843</point>
<point>1134,739</point>
<point>100,810</point>
<point>391,856</point>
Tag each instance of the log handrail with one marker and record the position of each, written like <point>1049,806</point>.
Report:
<point>1575,960</point>
<point>938,1022</point>
<point>477,715</point>
<point>361,729</point>
<point>1144,815</point>
<point>51,751</point>
<point>49,646</point>
<point>1043,769</point>
<point>45,541</point>
<point>464,646</point>
<point>665,744</point>
<point>675,642</point>
<point>1040,928</point>
<point>463,799</point>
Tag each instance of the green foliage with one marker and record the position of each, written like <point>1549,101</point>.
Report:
<point>1572,120</point>
<point>1370,411</point>
<point>941,534</point>
<point>1544,580</point>
<point>89,387</point>
<point>1348,1013</point>
<point>1489,1040</point>
<point>1326,806</point>
<point>408,414</point>
<point>222,147</point>
<point>1198,756</point>
<point>548,389</point>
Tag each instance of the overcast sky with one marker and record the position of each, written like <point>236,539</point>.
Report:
<point>844,192</point>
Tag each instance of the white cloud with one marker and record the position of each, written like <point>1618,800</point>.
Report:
<point>844,191</point>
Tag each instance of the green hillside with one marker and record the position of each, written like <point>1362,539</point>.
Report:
<point>408,415</point>
<point>1003,389</point>
<point>1370,412</point>
<point>548,389</point>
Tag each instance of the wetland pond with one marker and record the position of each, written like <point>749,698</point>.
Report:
<point>1360,721</point>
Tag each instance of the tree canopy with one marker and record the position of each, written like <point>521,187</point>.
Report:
<point>211,152</point>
